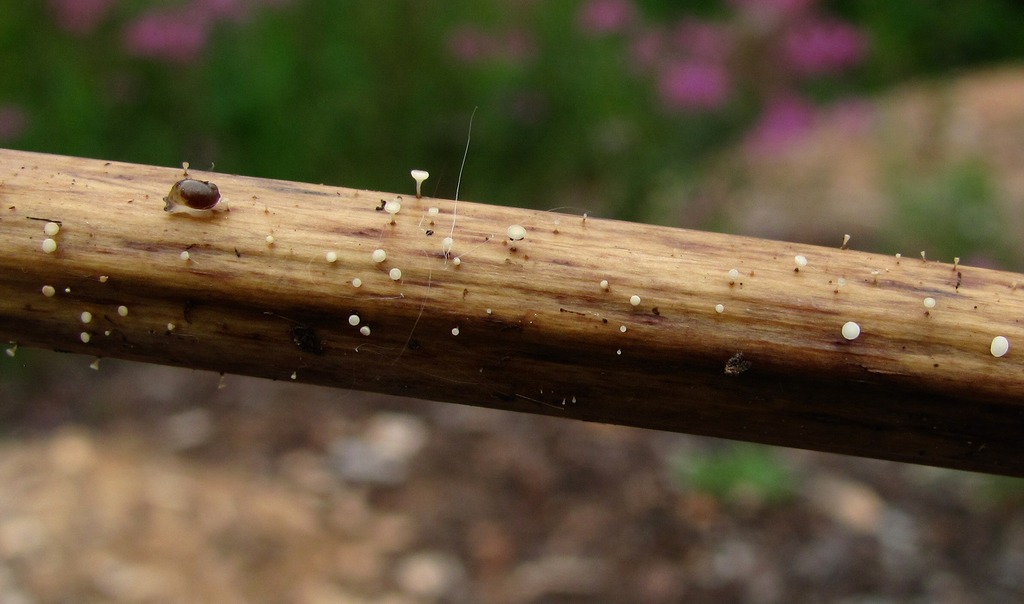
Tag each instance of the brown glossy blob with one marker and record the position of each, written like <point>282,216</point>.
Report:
<point>192,193</point>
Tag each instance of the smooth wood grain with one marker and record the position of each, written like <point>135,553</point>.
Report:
<point>536,332</point>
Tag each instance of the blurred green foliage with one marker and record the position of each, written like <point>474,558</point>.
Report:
<point>739,473</point>
<point>358,93</point>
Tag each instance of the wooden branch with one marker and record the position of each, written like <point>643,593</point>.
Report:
<point>521,325</point>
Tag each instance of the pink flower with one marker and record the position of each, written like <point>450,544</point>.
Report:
<point>782,121</point>
<point>603,17</point>
<point>647,48</point>
<point>178,37</point>
<point>773,10</point>
<point>819,46</point>
<point>80,16</point>
<point>693,85</point>
<point>469,44</point>
<point>13,123</point>
<point>703,40</point>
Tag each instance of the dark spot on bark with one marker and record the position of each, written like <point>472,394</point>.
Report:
<point>307,340</point>
<point>736,365</point>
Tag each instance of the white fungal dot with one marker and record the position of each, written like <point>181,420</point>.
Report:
<point>107,332</point>
<point>395,274</point>
<point>95,365</point>
<point>455,331</point>
<point>49,291</point>
<point>85,337</point>
<point>622,328</point>
<point>379,256</point>
<point>86,317</point>
<point>929,302</point>
<point>49,246</point>
<point>851,330</point>
<point>357,282</point>
<point>446,244</point>
<point>457,261</point>
<point>1000,346</point>
<point>840,282</point>
<point>104,278</point>
<point>432,211</point>
<point>365,330</point>
<point>331,257</point>
<point>13,350</point>
<point>295,375</point>
<point>733,274</point>
<point>185,256</point>
<point>51,229</point>
<point>618,352</point>
<point>171,326</point>
<point>516,232</point>
<point>719,308</point>
<point>489,311</point>
<point>353,320</point>
<point>393,207</point>
<point>604,284</point>
<point>270,240</point>
<point>801,261</point>
<point>122,310</point>
<point>634,300</point>
<point>67,290</point>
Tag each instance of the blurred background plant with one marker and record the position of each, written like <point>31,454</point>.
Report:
<point>595,104</point>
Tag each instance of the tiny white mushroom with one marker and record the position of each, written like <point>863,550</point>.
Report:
<point>86,317</point>
<point>433,212</point>
<point>634,300</point>
<point>357,282</point>
<point>733,275</point>
<point>95,365</point>
<point>49,291</point>
<point>446,245</point>
<point>270,240</point>
<point>851,330</point>
<point>185,256</point>
<point>516,232</point>
<point>51,229</point>
<point>419,176</point>
<point>49,246</point>
<point>604,284</point>
<point>295,375</point>
<point>801,261</point>
<point>622,328</point>
<point>379,256</point>
<point>719,308</point>
<point>171,326</point>
<point>1000,346</point>
<point>395,274</point>
<point>457,261</point>
<point>353,320</point>
<point>12,350</point>
<point>393,207</point>
<point>455,331</point>
<point>122,310</point>
<point>104,278</point>
<point>929,302</point>
<point>846,242</point>
<point>85,337</point>
<point>331,257</point>
<point>365,330</point>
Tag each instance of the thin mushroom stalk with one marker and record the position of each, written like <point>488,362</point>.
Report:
<point>570,316</point>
